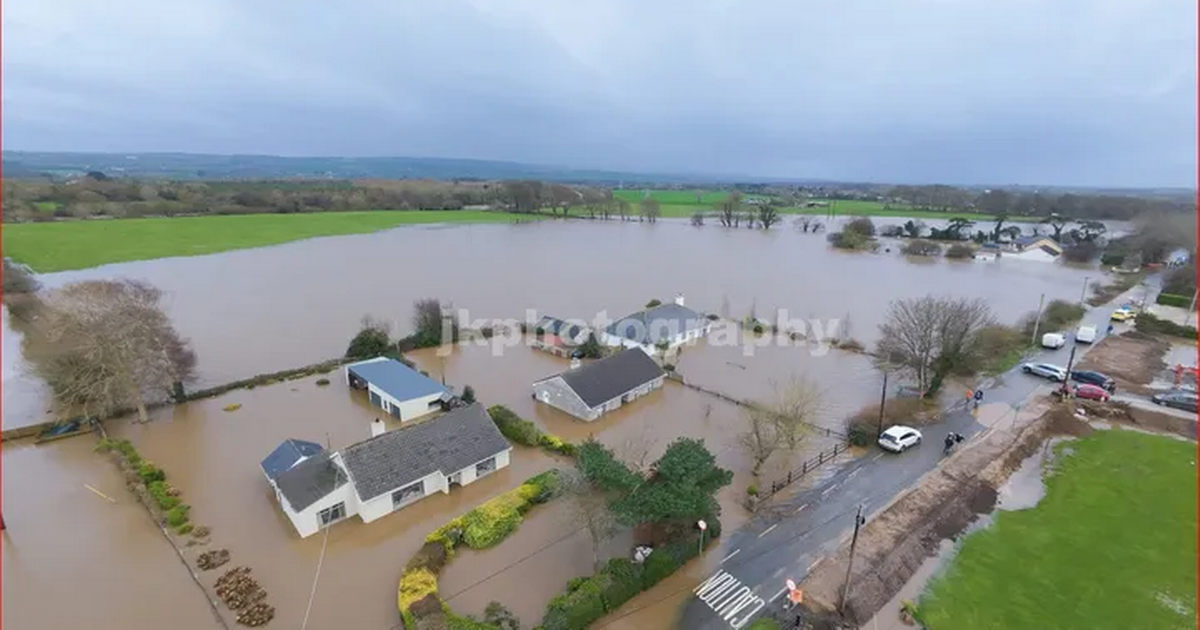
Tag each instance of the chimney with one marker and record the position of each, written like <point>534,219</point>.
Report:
<point>574,362</point>
<point>377,428</point>
<point>679,299</point>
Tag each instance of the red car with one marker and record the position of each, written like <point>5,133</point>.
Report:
<point>1092,392</point>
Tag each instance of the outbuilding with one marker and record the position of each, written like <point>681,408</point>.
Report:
<point>399,390</point>
<point>589,391</point>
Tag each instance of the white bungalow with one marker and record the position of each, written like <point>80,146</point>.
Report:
<point>667,324</point>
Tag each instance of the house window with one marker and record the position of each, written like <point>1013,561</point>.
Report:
<point>331,514</point>
<point>486,466</point>
<point>408,494</point>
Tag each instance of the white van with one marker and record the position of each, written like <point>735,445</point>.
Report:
<point>1085,334</point>
<point>1054,341</point>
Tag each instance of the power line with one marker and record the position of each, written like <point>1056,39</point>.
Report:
<point>320,559</point>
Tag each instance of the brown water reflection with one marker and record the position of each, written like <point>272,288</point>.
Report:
<point>256,311</point>
<point>73,560</point>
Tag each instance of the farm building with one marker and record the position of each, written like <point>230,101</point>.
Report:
<point>589,391</point>
<point>387,472</point>
<point>669,325</point>
<point>401,391</point>
<point>559,336</point>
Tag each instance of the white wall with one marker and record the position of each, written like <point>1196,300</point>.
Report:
<point>409,409</point>
<point>1038,255</point>
<point>306,522</point>
<point>381,505</point>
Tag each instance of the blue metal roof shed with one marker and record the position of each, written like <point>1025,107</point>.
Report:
<point>396,388</point>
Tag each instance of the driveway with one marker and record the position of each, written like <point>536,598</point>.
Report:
<point>787,539</point>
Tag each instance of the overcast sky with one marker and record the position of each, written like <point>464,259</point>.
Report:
<point>1073,92</point>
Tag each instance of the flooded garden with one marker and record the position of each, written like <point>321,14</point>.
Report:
<point>263,310</point>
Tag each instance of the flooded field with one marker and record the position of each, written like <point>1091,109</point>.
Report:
<point>75,560</point>
<point>261,310</point>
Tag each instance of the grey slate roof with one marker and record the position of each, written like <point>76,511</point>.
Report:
<point>447,443</point>
<point>599,382</point>
<point>398,380</point>
<point>306,482</point>
<point>287,454</point>
<point>657,324</point>
<point>560,328</point>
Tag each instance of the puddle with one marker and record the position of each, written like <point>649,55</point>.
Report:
<point>1026,487</point>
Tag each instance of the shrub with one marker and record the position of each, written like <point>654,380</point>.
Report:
<point>860,432</point>
<point>1112,259</point>
<point>468,395</point>
<point>431,555</point>
<point>863,226</point>
<point>669,367</point>
<point>150,473</point>
<point>891,231</point>
<point>764,623</point>
<point>370,342</point>
<point>502,618</point>
<point>125,447</point>
<point>1149,323</point>
<point>492,522</point>
<point>667,559</point>
<point>921,247</point>
<point>178,515</point>
<point>233,407</point>
<point>577,609</point>
<point>322,382</point>
<point>160,492</point>
<point>416,585</point>
<point>653,303</point>
<point>850,240</point>
<point>105,445</point>
<point>555,443</point>
<point>959,251</point>
<point>752,490</point>
<point>625,581</point>
<point>184,529</point>
<point>1168,299</point>
<point>514,427</point>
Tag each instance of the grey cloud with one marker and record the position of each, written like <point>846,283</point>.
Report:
<point>1097,92</point>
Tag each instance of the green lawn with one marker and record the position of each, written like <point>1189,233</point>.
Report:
<point>63,245</point>
<point>1112,545</point>
<point>675,197</point>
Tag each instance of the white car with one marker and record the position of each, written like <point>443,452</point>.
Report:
<point>899,438</point>
<point>1054,341</point>
<point>1046,370</point>
<point>1085,334</point>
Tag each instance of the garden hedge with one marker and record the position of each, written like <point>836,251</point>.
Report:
<point>526,433</point>
<point>1170,299</point>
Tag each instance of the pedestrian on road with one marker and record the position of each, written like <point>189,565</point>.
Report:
<point>1110,329</point>
<point>949,444</point>
<point>970,395</point>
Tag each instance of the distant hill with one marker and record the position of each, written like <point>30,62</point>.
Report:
<point>185,166</point>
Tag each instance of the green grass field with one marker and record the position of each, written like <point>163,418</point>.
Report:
<point>1112,545</point>
<point>683,203</point>
<point>64,245</point>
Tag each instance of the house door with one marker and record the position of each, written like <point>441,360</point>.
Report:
<point>455,479</point>
<point>376,400</point>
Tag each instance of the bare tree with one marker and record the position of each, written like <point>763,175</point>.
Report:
<point>768,215</point>
<point>649,209</point>
<point>623,209</point>
<point>697,218</point>
<point>928,337</point>
<point>804,222</point>
<point>729,211</point>
<point>588,510</point>
<point>635,450</point>
<point>795,408</point>
<point>606,209</point>
<point>761,438</point>
<point>18,279</point>
<point>104,346</point>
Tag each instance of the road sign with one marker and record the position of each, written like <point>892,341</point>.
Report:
<point>791,585</point>
<point>702,525</point>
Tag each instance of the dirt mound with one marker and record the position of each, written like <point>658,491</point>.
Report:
<point>212,559</point>
<point>1062,420</point>
<point>1133,359</point>
<point>243,594</point>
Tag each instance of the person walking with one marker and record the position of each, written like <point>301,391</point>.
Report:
<point>970,396</point>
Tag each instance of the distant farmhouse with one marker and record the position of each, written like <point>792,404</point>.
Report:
<point>589,391</point>
<point>401,391</point>
<point>666,325</point>
<point>558,336</point>
<point>391,470</point>
<point>1039,248</point>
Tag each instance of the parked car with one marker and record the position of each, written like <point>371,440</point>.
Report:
<point>1094,378</point>
<point>1054,341</point>
<point>1046,370</point>
<point>1092,392</point>
<point>1085,334</point>
<point>899,438</point>
<point>1178,400</point>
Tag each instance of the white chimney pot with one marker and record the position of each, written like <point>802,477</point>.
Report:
<point>679,299</point>
<point>377,428</point>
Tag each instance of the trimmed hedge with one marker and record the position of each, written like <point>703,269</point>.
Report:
<point>1149,323</point>
<point>175,511</point>
<point>1170,299</point>
<point>588,599</point>
<point>526,433</point>
<point>482,527</point>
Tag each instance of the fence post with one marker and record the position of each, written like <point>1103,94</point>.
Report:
<point>789,477</point>
<point>805,467</point>
<point>821,457</point>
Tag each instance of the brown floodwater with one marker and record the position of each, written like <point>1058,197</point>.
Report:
<point>261,310</point>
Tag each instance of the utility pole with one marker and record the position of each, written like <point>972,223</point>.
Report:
<point>1070,362</point>
<point>1038,322</point>
<point>858,521</point>
<point>1083,294</point>
<point>1191,309</point>
<point>882,400</point>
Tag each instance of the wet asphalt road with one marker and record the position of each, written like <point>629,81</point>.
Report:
<point>787,539</point>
